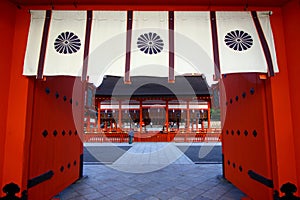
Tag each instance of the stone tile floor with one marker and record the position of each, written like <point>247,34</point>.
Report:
<point>151,172</point>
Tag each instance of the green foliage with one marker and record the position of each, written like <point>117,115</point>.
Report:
<point>215,114</point>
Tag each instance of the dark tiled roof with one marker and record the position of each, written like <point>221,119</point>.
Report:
<point>144,86</point>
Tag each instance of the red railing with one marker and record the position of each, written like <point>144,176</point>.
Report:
<point>213,135</point>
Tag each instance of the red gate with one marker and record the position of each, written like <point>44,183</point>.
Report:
<point>245,135</point>
<point>55,147</point>
<point>246,153</point>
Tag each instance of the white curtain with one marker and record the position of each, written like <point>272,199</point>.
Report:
<point>34,42</point>
<point>239,45</point>
<point>149,44</point>
<point>65,46</point>
<point>193,43</point>
<point>107,45</point>
<point>264,19</point>
<point>65,43</point>
<point>240,49</point>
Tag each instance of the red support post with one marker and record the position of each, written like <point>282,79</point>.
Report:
<point>120,114</point>
<point>167,120</point>
<point>208,115</point>
<point>141,118</point>
<point>188,115</point>
<point>99,116</point>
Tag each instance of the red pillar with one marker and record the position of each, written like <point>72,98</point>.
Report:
<point>282,135</point>
<point>208,114</point>
<point>291,15</point>
<point>188,115</point>
<point>141,118</point>
<point>167,119</point>
<point>17,98</point>
<point>120,114</point>
<point>5,58</point>
<point>99,115</point>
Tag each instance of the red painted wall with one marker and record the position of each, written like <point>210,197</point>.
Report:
<point>245,133</point>
<point>279,111</point>
<point>7,23</point>
<point>54,143</point>
<point>291,17</point>
<point>19,97</point>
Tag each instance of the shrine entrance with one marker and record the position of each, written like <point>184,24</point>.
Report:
<point>154,112</point>
<point>259,113</point>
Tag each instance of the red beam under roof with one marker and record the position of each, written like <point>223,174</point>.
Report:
<point>153,2</point>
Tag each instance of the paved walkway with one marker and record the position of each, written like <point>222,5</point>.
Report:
<point>148,157</point>
<point>152,171</point>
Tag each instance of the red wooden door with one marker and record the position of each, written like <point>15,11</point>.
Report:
<point>246,151</point>
<point>55,145</point>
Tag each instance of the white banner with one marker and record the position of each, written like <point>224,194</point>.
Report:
<point>264,19</point>
<point>34,42</point>
<point>193,43</point>
<point>65,46</point>
<point>240,49</point>
<point>149,44</point>
<point>107,45</point>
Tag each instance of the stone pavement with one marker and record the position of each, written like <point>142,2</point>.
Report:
<point>152,171</point>
<point>148,157</point>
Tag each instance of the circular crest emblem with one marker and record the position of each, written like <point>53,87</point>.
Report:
<point>67,43</point>
<point>238,40</point>
<point>150,43</point>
